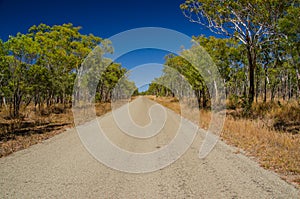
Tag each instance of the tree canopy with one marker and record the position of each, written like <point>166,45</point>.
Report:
<point>40,66</point>
<point>253,23</point>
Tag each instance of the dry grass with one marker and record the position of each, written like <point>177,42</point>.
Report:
<point>275,150</point>
<point>169,102</point>
<point>35,127</point>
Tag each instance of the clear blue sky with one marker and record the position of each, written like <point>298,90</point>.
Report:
<point>103,18</point>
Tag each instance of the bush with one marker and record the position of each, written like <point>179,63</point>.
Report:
<point>287,118</point>
<point>233,102</point>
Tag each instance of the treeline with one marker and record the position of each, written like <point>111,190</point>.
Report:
<point>40,66</point>
<point>258,60</point>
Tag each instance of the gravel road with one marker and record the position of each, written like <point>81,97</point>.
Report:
<point>61,167</point>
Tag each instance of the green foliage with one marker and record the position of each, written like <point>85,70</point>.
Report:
<point>276,74</point>
<point>224,52</point>
<point>253,23</point>
<point>113,75</point>
<point>41,66</point>
<point>234,101</point>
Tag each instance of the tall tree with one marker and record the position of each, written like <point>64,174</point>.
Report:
<point>63,49</point>
<point>41,66</point>
<point>225,53</point>
<point>4,74</point>
<point>290,26</point>
<point>23,52</point>
<point>248,21</point>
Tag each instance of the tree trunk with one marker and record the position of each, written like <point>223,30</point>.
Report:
<point>4,103</point>
<point>265,84</point>
<point>17,103</point>
<point>251,62</point>
<point>204,100</point>
<point>273,89</point>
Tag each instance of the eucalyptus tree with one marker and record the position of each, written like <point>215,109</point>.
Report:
<point>22,53</point>
<point>248,21</point>
<point>110,77</point>
<point>63,49</point>
<point>290,26</point>
<point>41,66</point>
<point>227,55</point>
<point>4,75</point>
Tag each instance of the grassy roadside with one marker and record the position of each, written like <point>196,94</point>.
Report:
<point>20,134</point>
<point>278,151</point>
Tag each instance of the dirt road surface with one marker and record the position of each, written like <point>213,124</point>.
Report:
<point>61,167</point>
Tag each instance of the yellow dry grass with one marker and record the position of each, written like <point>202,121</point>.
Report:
<point>19,134</point>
